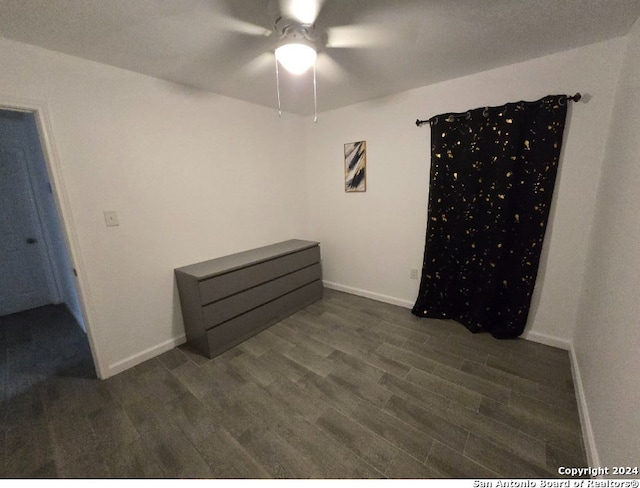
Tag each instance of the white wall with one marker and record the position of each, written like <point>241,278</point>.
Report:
<point>192,176</point>
<point>607,337</point>
<point>371,240</point>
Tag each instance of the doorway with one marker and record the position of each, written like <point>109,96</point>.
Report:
<point>36,266</point>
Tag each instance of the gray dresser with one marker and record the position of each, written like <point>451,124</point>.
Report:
<point>227,300</point>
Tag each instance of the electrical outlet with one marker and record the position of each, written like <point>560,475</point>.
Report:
<point>111,218</point>
<point>413,274</point>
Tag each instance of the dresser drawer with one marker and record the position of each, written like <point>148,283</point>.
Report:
<point>241,302</point>
<point>234,331</point>
<point>221,286</point>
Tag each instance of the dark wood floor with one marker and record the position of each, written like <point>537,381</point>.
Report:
<point>347,388</point>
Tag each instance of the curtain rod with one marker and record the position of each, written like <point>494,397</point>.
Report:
<point>574,98</point>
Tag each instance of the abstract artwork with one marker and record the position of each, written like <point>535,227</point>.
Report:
<point>355,166</point>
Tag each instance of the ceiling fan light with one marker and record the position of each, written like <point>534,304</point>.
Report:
<point>296,57</point>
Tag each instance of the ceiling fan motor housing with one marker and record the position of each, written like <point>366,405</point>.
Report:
<point>293,31</point>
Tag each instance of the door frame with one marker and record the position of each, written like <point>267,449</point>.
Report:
<point>43,122</point>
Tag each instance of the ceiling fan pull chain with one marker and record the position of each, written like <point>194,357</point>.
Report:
<point>315,96</point>
<point>278,88</point>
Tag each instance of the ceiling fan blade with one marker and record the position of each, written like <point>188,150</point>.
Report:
<point>304,11</point>
<point>362,36</point>
<point>233,24</point>
<point>329,69</point>
<point>258,65</point>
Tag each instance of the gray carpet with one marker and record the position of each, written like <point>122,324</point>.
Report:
<point>347,388</point>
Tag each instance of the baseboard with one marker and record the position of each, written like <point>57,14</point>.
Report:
<point>131,361</point>
<point>547,340</point>
<point>530,336</point>
<point>593,459</point>
<point>368,294</point>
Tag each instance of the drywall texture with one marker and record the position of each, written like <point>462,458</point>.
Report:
<point>192,176</point>
<point>607,337</point>
<point>371,240</point>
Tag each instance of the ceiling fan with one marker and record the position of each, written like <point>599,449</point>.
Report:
<point>298,43</point>
<point>297,47</point>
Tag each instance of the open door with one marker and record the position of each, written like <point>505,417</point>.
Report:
<point>25,270</point>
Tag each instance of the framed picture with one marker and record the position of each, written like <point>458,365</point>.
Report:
<point>355,167</point>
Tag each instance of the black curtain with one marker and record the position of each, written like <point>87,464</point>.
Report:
<point>492,176</point>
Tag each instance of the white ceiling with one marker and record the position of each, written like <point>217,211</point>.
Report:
<point>378,47</point>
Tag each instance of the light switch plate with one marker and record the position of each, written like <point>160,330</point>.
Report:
<point>111,218</point>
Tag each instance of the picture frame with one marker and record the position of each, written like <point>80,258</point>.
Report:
<point>355,167</point>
